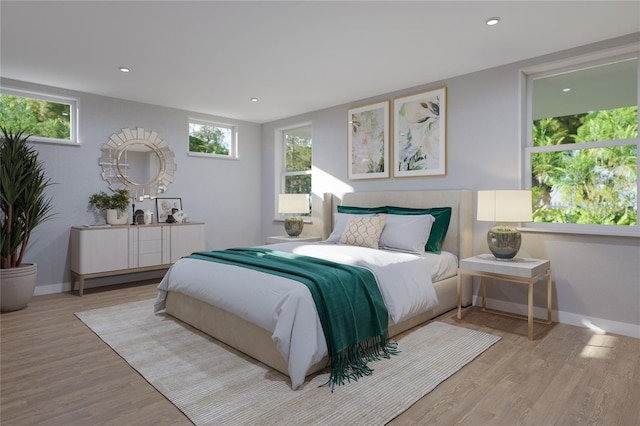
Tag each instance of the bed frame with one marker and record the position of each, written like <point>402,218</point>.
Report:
<point>256,341</point>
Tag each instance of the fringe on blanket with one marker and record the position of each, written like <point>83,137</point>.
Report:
<point>352,362</point>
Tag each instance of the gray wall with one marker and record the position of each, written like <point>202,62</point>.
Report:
<point>597,278</point>
<point>223,193</point>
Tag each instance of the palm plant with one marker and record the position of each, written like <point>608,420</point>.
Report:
<point>22,196</point>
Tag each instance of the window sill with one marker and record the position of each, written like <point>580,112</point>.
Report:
<point>48,141</point>
<point>216,156</point>
<point>617,231</point>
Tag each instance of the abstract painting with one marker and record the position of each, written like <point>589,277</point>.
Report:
<point>369,141</point>
<point>420,134</point>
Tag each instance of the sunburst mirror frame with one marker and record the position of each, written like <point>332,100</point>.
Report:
<point>114,162</point>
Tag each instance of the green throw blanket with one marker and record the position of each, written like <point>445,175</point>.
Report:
<point>351,310</point>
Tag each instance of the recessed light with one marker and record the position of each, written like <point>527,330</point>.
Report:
<point>566,89</point>
<point>254,99</point>
<point>124,69</point>
<point>493,21</point>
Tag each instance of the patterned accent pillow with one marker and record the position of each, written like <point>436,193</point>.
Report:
<point>363,231</point>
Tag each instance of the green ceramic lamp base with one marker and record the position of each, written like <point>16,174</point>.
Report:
<point>293,225</point>
<point>504,242</point>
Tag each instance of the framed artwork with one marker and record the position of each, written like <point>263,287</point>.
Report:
<point>165,207</point>
<point>369,141</point>
<point>419,138</point>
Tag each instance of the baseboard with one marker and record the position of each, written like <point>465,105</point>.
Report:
<point>100,282</point>
<point>598,324</point>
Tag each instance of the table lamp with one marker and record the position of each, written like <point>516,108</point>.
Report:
<point>293,204</point>
<point>504,206</point>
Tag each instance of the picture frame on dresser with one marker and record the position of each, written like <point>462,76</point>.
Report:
<point>165,207</point>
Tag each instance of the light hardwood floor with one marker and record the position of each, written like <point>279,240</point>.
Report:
<point>55,371</point>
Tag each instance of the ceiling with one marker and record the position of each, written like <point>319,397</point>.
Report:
<point>212,57</point>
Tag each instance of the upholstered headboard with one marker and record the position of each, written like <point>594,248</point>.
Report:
<point>459,236</point>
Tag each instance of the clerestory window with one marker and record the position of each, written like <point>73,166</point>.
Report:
<point>210,139</point>
<point>46,117</point>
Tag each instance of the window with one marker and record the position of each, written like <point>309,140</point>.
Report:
<point>581,159</point>
<point>212,139</point>
<point>47,118</point>
<point>296,144</point>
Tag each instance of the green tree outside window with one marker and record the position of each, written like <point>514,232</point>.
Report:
<point>37,117</point>
<point>583,184</point>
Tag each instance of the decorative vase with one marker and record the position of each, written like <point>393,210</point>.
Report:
<point>293,225</point>
<point>114,219</point>
<point>17,286</point>
<point>148,217</point>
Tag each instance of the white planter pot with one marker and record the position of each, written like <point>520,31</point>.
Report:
<point>114,219</point>
<point>17,286</point>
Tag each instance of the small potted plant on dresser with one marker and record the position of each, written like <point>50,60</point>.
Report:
<point>24,206</point>
<point>115,205</point>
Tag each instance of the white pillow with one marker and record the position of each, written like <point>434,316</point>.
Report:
<point>339,223</point>
<point>408,233</point>
<point>363,231</point>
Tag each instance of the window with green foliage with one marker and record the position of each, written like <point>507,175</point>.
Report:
<point>46,118</point>
<point>296,161</point>
<point>582,153</point>
<point>212,139</point>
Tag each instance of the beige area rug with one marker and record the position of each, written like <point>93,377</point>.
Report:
<point>213,384</point>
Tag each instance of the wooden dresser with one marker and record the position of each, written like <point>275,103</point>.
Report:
<point>115,250</point>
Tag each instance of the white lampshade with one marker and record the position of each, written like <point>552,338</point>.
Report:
<point>293,203</point>
<point>504,206</point>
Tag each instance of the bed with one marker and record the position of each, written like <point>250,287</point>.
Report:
<point>241,325</point>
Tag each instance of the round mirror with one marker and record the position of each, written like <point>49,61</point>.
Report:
<point>139,161</point>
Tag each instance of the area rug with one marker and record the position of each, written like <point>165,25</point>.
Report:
<point>212,384</point>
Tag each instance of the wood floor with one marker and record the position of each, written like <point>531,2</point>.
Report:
<point>55,371</point>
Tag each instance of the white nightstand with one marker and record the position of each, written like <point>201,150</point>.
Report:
<point>519,270</point>
<point>288,239</point>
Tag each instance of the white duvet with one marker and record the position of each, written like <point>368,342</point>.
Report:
<point>285,307</point>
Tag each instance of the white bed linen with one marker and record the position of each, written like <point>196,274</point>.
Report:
<point>442,266</point>
<point>285,307</point>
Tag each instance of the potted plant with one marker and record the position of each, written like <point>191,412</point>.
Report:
<point>115,205</point>
<point>23,207</point>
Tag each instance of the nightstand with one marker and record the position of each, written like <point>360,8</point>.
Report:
<point>288,239</point>
<point>519,270</point>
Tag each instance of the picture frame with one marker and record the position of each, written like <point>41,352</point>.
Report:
<point>368,141</point>
<point>165,206</point>
<point>419,136</point>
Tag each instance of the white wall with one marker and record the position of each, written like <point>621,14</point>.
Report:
<point>223,193</point>
<point>597,279</point>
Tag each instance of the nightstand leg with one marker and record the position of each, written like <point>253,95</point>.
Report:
<point>459,296</point>
<point>549,307</point>
<point>530,317</point>
<point>483,288</point>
